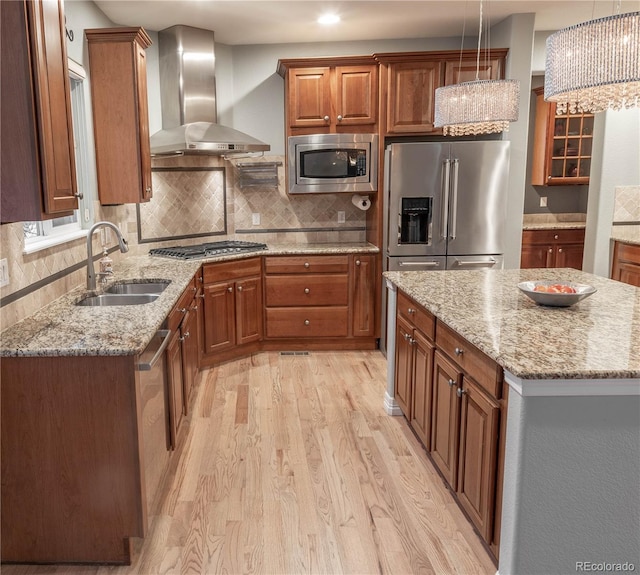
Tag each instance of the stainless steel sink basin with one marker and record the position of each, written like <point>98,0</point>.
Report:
<point>118,299</point>
<point>152,287</point>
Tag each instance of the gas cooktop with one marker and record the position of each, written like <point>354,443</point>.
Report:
<point>207,250</point>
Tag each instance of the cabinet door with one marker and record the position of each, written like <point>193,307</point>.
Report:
<point>248,310</point>
<point>411,94</point>
<point>569,256</point>
<point>143,124</point>
<point>404,365</point>
<point>363,290</point>
<point>458,71</point>
<point>220,317</point>
<point>445,417</point>
<point>536,256</point>
<point>176,386</point>
<point>422,388</point>
<point>309,97</point>
<point>38,159</point>
<point>189,338</point>
<point>478,452</point>
<point>356,95</point>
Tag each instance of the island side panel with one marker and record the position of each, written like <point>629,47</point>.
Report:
<point>71,485</point>
<point>568,493</point>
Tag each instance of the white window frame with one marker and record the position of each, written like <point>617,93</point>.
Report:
<point>56,235</point>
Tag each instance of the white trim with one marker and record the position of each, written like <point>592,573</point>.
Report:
<point>572,387</point>
<point>390,405</point>
<point>76,70</point>
<point>44,242</point>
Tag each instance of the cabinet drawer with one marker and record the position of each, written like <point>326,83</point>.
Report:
<point>231,270</point>
<point>416,315</point>
<point>307,321</point>
<point>628,252</point>
<point>552,236</point>
<point>307,290</point>
<point>486,372</point>
<point>306,264</point>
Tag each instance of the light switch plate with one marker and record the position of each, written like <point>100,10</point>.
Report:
<point>255,219</point>
<point>4,272</point>
<point>543,201</point>
<point>341,217</point>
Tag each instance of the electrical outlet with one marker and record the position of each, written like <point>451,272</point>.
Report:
<point>341,218</point>
<point>543,201</point>
<point>255,219</point>
<point>4,272</point>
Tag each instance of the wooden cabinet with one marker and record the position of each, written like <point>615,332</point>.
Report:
<point>411,80</point>
<point>120,113</point>
<point>175,383</point>
<point>552,248</point>
<point>626,263</point>
<point>326,95</point>
<point>232,304</point>
<point>38,162</point>
<point>562,145</point>
<point>414,358</point>
<point>363,277</point>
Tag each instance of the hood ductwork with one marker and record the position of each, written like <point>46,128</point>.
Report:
<point>188,94</point>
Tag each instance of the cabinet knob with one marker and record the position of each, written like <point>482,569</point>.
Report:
<point>306,290</point>
<point>307,322</point>
<point>79,195</point>
<point>555,237</point>
<point>339,117</point>
<point>183,310</point>
<point>357,262</point>
<point>200,295</point>
<point>229,289</point>
<point>406,336</point>
<point>451,383</point>
<point>460,392</point>
<point>550,250</point>
<point>458,351</point>
<point>185,336</point>
<point>559,250</point>
<point>201,279</point>
<point>326,118</point>
<point>147,191</point>
<point>194,289</point>
<point>239,288</point>
<point>410,310</point>
<point>307,264</point>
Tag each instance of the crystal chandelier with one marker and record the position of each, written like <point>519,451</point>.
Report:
<point>595,66</point>
<point>478,107</point>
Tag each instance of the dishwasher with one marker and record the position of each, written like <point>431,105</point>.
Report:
<point>153,416</point>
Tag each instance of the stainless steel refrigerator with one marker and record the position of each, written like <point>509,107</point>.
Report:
<point>445,206</point>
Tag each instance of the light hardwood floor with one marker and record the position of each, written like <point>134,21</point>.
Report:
<point>292,466</point>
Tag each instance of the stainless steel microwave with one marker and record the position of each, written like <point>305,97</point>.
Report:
<point>333,163</point>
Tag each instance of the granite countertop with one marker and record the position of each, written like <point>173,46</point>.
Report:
<point>568,221</point>
<point>63,328</point>
<point>597,338</point>
<point>555,226</point>
<point>627,234</point>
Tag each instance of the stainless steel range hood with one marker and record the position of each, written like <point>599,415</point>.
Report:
<point>188,94</point>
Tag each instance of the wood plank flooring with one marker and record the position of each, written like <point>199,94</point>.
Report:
<point>291,465</point>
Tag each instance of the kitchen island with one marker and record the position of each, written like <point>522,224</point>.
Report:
<point>572,457</point>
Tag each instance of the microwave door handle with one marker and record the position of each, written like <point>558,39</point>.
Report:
<point>454,214</point>
<point>445,197</point>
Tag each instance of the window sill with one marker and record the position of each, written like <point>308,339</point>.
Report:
<point>40,244</point>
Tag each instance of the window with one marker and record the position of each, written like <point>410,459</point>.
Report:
<point>41,235</point>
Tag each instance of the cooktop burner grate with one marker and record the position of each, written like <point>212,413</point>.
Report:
<point>207,250</point>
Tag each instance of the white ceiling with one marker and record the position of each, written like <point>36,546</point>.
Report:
<point>238,22</point>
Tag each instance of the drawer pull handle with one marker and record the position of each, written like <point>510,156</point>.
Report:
<point>306,264</point>
<point>451,383</point>
<point>307,322</point>
<point>458,351</point>
<point>306,290</point>
<point>460,392</point>
<point>357,262</point>
<point>185,336</point>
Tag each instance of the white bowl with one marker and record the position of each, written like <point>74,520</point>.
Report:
<point>556,299</point>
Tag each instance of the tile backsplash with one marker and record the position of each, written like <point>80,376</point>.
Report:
<point>627,204</point>
<point>190,201</point>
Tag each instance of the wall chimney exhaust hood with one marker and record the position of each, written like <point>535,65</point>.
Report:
<point>188,94</point>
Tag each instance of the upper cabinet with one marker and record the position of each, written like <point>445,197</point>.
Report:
<point>411,80</point>
<point>118,70</point>
<point>330,95</point>
<point>562,145</point>
<point>38,165</point>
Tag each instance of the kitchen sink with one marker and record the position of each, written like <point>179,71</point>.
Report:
<point>109,299</point>
<point>150,287</point>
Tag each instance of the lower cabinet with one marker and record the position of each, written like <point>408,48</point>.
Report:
<point>452,395</point>
<point>552,249</point>
<point>232,304</point>
<point>626,263</point>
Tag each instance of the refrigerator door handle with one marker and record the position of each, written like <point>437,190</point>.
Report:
<point>421,264</point>
<point>454,215</point>
<point>446,169</point>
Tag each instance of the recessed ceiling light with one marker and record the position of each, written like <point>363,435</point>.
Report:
<point>329,19</point>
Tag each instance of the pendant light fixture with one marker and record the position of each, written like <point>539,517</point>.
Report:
<point>477,107</point>
<point>595,66</point>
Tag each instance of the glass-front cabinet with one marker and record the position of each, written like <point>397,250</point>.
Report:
<point>562,145</point>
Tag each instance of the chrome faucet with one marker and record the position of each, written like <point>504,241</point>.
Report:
<point>91,274</point>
